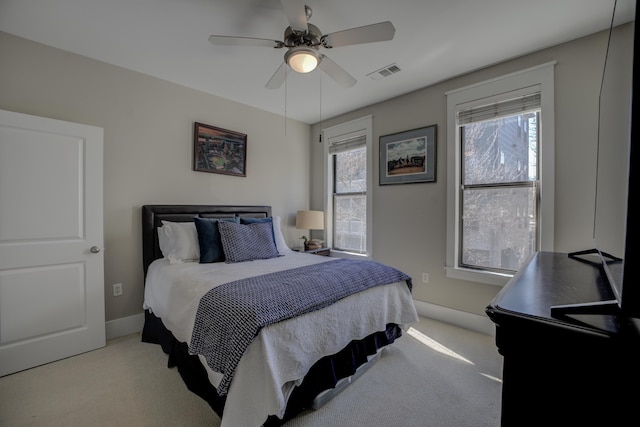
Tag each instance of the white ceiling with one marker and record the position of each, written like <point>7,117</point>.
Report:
<point>434,40</point>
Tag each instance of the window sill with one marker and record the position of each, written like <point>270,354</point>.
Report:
<point>470,275</point>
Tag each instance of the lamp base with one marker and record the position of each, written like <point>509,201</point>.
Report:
<point>311,246</point>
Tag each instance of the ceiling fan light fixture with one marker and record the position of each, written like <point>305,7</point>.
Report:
<point>302,59</point>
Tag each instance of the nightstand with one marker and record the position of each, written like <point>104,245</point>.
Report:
<point>319,251</point>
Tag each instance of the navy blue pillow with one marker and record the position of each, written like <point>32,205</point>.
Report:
<point>247,242</point>
<point>209,238</point>
<point>258,220</point>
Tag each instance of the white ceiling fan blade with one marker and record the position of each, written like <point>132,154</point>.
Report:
<point>296,14</point>
<point>245,41</point>
<point>336,72</point>
<point>379,32</point>
<point>278,77</point>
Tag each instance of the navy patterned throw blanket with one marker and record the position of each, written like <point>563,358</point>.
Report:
<point>230,316</point>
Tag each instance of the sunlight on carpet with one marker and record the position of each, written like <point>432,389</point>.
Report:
<point>435,345</point>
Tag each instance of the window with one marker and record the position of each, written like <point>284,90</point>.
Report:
<point>500,182</point>
<point>350,195</point>
<point>348,200</point>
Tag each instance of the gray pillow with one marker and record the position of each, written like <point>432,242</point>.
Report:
<point>247,242</point>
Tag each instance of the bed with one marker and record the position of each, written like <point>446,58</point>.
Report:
<point>293,362</point>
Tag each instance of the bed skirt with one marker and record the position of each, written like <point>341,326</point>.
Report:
<point>323,375</point>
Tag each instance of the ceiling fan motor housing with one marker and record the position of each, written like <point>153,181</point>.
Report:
<point>311,38</point>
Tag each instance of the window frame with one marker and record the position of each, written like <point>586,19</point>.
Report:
<point>348,130</point>
<point>495,90</point>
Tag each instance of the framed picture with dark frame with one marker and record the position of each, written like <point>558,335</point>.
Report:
<point>408,157</point>
<point>218,150</point>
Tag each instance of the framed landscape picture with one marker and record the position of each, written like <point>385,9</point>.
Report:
<point>218,150</point>
<point>408,157</point>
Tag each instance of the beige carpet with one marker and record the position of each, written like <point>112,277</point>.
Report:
<point>127,383</point>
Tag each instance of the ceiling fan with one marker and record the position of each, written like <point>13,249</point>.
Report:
<point>303,42</point>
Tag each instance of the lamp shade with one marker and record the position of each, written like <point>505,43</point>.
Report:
<point>310,220</point>
<point>302,59</point>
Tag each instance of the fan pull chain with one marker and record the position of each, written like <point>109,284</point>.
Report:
<point>285,102</point>
<point>320,138</point>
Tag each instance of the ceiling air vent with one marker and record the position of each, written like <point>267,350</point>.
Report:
<point>384,72</point>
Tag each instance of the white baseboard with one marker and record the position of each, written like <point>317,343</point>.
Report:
<point>463,319</point>
<point>124,326</point>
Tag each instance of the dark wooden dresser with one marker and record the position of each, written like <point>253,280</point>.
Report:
<point>577,370</point>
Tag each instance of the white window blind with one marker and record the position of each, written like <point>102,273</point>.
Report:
<point>499,109</point>
<point>338,146</point>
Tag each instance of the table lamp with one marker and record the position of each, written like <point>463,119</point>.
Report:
<point>310,220</point>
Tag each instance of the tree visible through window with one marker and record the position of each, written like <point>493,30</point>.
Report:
<point>350,199</point>
<point>499,192</point>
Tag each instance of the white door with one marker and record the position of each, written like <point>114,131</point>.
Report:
<point>51,240</point>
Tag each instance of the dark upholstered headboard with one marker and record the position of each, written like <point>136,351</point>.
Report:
<point>152,216</point>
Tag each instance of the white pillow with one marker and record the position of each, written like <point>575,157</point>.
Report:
<point>180,241</point>
<point>281,244</point>
<point>163,241</point>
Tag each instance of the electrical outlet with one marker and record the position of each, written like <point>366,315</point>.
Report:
<point>425,277</point>
<point>117,289</point>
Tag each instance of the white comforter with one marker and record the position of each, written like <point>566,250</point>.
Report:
<point>280,356</point>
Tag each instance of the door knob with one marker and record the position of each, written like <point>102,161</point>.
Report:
<point>95,249</point>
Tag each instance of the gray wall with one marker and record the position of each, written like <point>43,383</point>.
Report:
<point>409,220</point>
<point>148,147</point>
<point>147,159</point>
